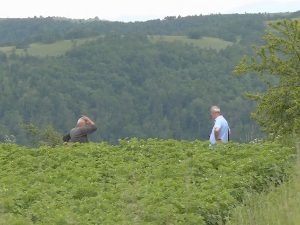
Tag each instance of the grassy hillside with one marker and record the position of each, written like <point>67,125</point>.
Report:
<point>57,48</point>
<point>281,206</point>
<point>205,42</point>
<point>60,47</point>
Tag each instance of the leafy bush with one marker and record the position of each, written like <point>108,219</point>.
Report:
<point>49,137</point>
<point>138,182</point>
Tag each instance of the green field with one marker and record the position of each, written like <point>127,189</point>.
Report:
<point>60,47</point>
<point>55,49</point>
<point>205,42</point>
<point>136,182</point>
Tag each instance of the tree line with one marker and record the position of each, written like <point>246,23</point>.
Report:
<point>22,32</point>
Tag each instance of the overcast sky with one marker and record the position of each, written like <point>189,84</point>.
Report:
<point>131,10</point>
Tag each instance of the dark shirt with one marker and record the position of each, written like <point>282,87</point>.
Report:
<point>79,134</point>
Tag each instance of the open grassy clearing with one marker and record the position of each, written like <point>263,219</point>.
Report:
<point>205,42</point>
<point>60,47</point>
<point>55,49</point>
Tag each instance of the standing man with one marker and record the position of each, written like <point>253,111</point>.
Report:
<point>221,130</point>
<point>81,131</point>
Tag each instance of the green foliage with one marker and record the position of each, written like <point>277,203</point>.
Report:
<point>278,109</point>
<point>281,205</point>
<point>138,182</point>
<point>194,34</point>
<point>48,137</point>
<point>248,29</point>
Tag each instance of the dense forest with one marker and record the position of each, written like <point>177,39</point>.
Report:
<point>48,30</point>
<point>128,85</point>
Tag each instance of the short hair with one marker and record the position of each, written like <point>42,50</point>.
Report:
<point>81,120</point>
<point>215,109</point>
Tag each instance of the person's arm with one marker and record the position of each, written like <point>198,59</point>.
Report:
<point>67,137</point>
<point>88,120</point>
<point>217,131</point>
<point>90,129</point>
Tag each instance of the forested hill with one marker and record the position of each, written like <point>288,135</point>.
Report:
<point>49,29</point>
<point>129,86</point>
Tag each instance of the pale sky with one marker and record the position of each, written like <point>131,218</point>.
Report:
<point>127,10</point>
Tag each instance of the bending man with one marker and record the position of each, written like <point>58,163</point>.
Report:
<point>81,131</point>
<point>221,130</point>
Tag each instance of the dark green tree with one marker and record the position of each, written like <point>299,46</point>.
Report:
<point>194,34</point>
<point>278,110</point>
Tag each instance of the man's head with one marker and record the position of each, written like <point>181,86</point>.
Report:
<point>215,112</point>
<point>81,122</point>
